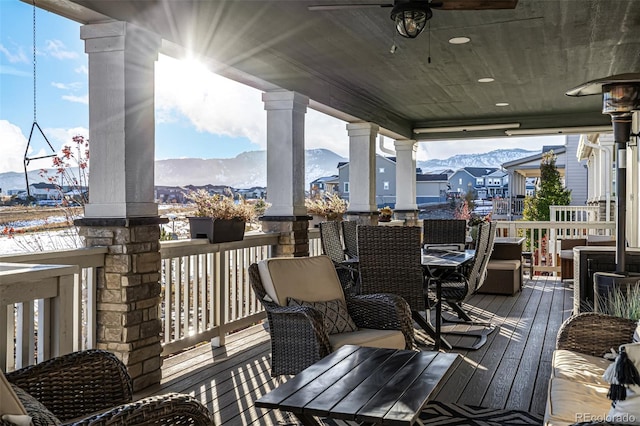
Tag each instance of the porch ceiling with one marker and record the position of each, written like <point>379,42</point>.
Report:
<point>341,58</point>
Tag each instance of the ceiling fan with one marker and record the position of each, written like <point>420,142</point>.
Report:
<point>411,16</point>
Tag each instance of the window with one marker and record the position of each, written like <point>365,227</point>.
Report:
<point>381,169</point>
<point>346,187</point>
<point>460,181</point>
<point>385,185</point>
<point>479,181</point>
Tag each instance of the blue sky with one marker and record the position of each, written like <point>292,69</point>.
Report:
<point>198,114</point>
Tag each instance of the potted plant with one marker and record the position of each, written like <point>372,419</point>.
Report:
<point>327,207</point>
<point>385,214</point>
<point>219,217</point>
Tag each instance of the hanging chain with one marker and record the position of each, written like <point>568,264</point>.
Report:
<point>34,61</point>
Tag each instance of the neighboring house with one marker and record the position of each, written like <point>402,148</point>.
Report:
<point>254,192</point>
<point>170,194</point>
<point>571,169</point>
<point>470,179</point>
<point>431,188</point>
<point>496,184</point>
<point>45,191</point>
<point>324,184</point>
<point>385,180</point>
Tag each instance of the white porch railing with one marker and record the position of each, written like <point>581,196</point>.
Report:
<point>27,320</point>
<point>206,292</point>
<point>574,213</point>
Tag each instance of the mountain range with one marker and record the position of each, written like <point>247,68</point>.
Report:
<point>248,169</point>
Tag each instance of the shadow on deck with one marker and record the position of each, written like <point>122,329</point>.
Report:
<point>511,371</point>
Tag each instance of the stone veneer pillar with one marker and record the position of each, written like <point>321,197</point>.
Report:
<point>122,214</point>
<point>287,214</point>
<point>362,173</point>
<point>128,293</point>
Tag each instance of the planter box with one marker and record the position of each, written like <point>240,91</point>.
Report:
<point>217,230</point>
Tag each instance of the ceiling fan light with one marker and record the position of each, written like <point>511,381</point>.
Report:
<point>411,18</point>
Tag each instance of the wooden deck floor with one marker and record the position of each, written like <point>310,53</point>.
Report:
<point>510,371</point>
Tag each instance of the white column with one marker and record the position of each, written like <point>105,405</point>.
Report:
<point>406,174</point>
<point>121,119</point>
<point>285,152</point>
<point>362,167</point>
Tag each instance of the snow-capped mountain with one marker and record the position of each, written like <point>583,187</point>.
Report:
<point>489,159</point>
<point>249,169</point>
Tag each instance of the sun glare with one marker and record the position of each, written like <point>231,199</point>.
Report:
<point>188,73</point>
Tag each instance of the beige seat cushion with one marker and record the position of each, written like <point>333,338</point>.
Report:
<point>391,339</point>
<point>312,279</point>
<point>504,265</point>
<point>579,367</point>
<point>570,402</point>
<point>601,240</point>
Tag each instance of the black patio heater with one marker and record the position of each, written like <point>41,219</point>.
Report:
<point>620,98</point>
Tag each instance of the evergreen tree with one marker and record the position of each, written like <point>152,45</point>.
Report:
<point>550,191</point>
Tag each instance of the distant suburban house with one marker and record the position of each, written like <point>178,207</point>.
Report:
<point>170,194</point>
<point>470,179</point>
<point>324,184</point>
<point>253,193</point>
<point>496,184</point>
<point>430,188</point>
<point>45,191</point>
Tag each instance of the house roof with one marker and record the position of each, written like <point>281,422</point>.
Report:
<point>431,178</point>
<point>479,171</point>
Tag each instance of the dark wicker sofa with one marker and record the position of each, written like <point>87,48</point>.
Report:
<point>93,388</point>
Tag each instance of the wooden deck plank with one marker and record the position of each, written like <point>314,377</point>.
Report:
<point>511,370</point>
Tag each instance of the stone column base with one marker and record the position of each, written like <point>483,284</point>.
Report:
<point>294,234</point>
<point>363,218</point>
<point>410,217</point>
<point>128,293</point>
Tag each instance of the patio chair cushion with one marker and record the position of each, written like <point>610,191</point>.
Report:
<point>579,367</point>
<point>313,279</point>
<point>569,399</point>
<point>335,314</point>
<point>392,339</point>
<point>601,240</point>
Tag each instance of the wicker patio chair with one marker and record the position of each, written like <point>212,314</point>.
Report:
<point>93,388</point>
<point>347,269</point>
<point>299,336</point>
<point>595,334</point>
<point>440,232</point>
<point>350,236</point>
<point>459,286</point>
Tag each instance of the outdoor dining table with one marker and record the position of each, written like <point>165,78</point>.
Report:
<point>438,263</point>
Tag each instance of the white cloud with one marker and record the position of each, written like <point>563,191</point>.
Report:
<point>13,146</point>
<point>67,86</point>
<point>82,69</point>
<point>212,103</point>
<point>14,57</point>
<point>14,71</point>
<point>324,131</point>
<point>79,99</point>
<point>58,50</point>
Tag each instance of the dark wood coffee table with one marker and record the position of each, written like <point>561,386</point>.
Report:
<point>382,386</point>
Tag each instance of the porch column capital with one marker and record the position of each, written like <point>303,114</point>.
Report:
<point>406,174</point>
<point>121,119</point>
<point>362,167</point>
<point>284,100</point>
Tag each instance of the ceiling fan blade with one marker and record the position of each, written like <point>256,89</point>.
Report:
<point>473,4</point>
<point>342,6</point>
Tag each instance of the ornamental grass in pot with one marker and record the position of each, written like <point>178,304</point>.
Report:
<point>219,217</point>
<point>327,207</point>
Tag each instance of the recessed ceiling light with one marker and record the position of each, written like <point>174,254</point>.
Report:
<point>502,104</point>
<point>459,40</point>
<point>486,80</point>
